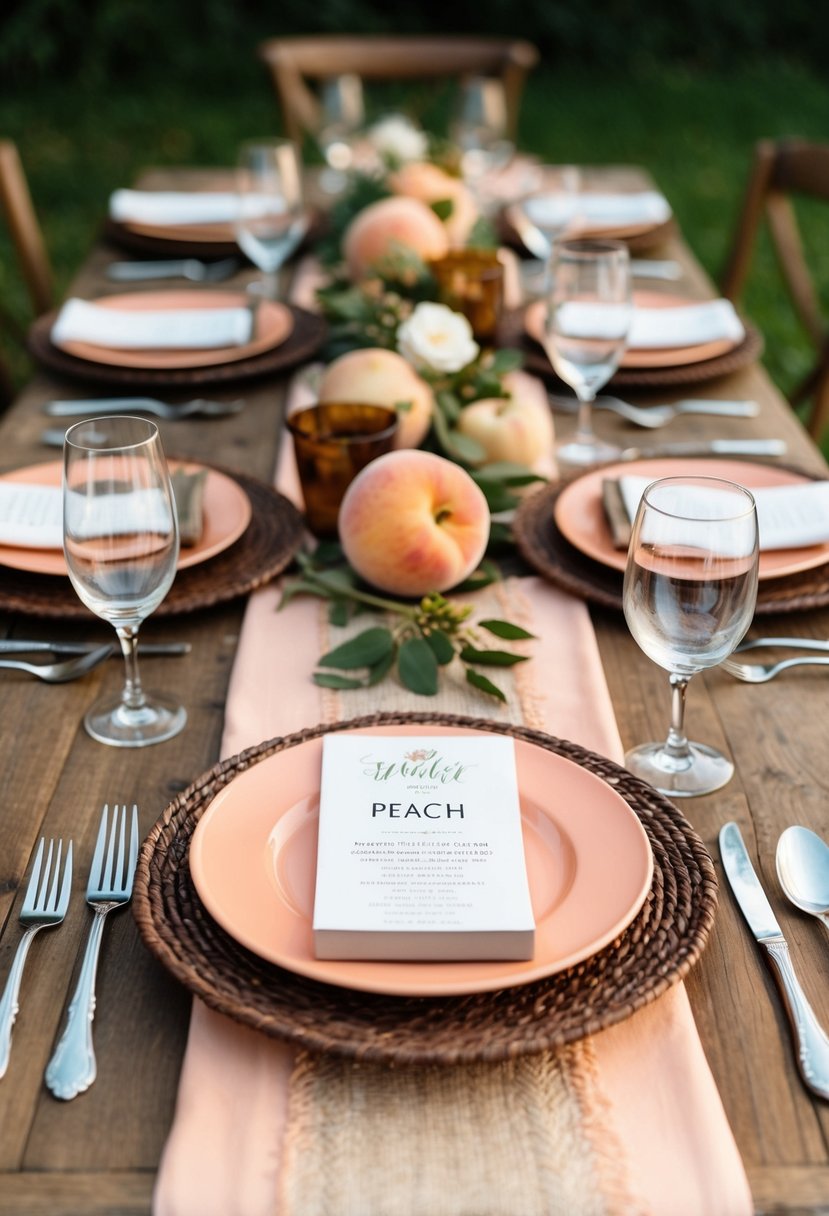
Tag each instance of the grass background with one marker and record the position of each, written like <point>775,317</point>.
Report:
<point>692,128</point>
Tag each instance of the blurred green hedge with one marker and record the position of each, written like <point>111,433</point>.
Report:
<point>116,40</point>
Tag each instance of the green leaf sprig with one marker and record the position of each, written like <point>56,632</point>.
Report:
<point>430,634</point>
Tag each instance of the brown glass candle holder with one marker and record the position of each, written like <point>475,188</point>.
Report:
<point>333,441</point>
<point>471,281</point>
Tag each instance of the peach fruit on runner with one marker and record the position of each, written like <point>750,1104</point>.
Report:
<point>375,376</point>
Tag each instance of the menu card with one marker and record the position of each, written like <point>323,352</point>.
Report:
<point>420,853</point>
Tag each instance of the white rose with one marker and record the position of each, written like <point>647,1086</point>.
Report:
<point>437,339</point>
<point>397,136</point>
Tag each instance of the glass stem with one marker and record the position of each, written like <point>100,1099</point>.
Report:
<point>676,745</point>
<point>133,694</point>
<point>584,422</point>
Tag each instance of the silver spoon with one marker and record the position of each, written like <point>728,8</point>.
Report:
<point>803,870</point>
<point>68,669</point>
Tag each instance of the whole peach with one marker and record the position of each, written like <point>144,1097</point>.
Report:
<point>517,429</point>
<point>413,522</point>
<point>382,377</point>
<point>375,231</point>
<point>431,184</point>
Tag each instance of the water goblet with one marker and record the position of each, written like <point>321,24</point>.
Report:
<point>549,212</point>
<point>588,316</point>
<point>271,217</point>
<point>121,542</point>
<point>479,131</point>
<point>342,117</point>
<point>689,595</point>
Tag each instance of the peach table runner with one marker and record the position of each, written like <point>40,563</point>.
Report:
<point>627,1121</point>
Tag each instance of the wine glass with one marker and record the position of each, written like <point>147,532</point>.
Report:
<point>479,130</point>
<point>547,213</point>
<point>588,316</point>
<point>271,218</point>
<point>342,116</point>
<point>689,595</point>
<point>120,538</point>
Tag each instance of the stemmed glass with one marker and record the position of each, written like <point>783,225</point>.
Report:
<point>271,217</point>
<point>479,130</point>
<point>342,117</point>
<point>121,541</point>
<point>589,312</point>
<point>689,595</point>
<point>550,212</point>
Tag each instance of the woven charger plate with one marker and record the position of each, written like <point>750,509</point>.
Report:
<point>543,546</point>
<point>166,245</point>
<point>264,549</point>
<point>511,333</point>
<point>302,343</point>
<point>656,950</point>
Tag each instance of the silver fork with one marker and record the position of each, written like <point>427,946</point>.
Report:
<point>66,669</point>
<point>73,1068</point>
<point>652,416</point>
<point>191,269</point>
<point>47,898</point>
<point>79,408</point>
<point>759,673</point>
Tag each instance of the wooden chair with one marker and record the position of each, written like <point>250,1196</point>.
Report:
<point>782,171</point>
<point>293,62</point>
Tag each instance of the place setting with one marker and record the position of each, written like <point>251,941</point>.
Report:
<point>234,533</point>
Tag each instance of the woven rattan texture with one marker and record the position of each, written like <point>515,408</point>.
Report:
<point>542,545</point>
<point>302,343</point>
<point>264,549</point>
<point>655,951</point>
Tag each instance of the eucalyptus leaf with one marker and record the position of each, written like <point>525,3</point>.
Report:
<point>498,497</point>
<point>450,405</point>
<point>500,536</point>
<point>366,649</point>
<point>491,658</point>
<point>483,684</point>
<point>441,646</point>
<point>328,679</point>
<point>505,629</point>
<point>328,553</point>
<point>379,670</point>
<point>486,574</point>
<point>299,586</point>
<point>506,360</point>
<point>418,667</point>
<point>455,445</point>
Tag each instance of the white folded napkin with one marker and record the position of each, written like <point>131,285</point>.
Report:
<point>160,329</point>
<point>31,516</point>
<point>653,328</point>
<point>788,517</point>
<point>594,210</point>
<point>182,207</point>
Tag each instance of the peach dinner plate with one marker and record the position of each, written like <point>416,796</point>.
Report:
<point>581,520</point>
<point>253,862</point>
<point>273,324</point>
<point>223,234</point>
<point>227,513</point>
<point>669,356</point>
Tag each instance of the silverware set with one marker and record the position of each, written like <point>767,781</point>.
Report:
<point>653,416</point>
<point>803,865</point>
<point>170,411</point>
<point>761,673</point>
<point>85,656</point>
<point>192,269</point>
<point>72,1068</point>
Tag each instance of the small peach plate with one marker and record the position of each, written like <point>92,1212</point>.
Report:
<point>581,520</point>
<point>273,324</point>
<point>669,356</point>
<point>253,862</point>
<point>221,233</point>
<point>227,512</point>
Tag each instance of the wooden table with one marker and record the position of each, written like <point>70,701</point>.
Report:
<point>98,1154</point>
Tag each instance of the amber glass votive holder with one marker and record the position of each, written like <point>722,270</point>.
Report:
<point>471,281</point>
<point>333,441</point>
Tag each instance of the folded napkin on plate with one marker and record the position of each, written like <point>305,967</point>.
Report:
<point>31,516</point>
<point>653,328</point>
<point>181,207</point>
<point>788,517</point>
<point>592,210</point>
<point>188,490</point>
<point>158,329</point>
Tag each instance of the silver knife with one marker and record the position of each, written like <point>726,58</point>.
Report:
<point>810,1040</point>
<point>713,447</point>
<point>21,646</point>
